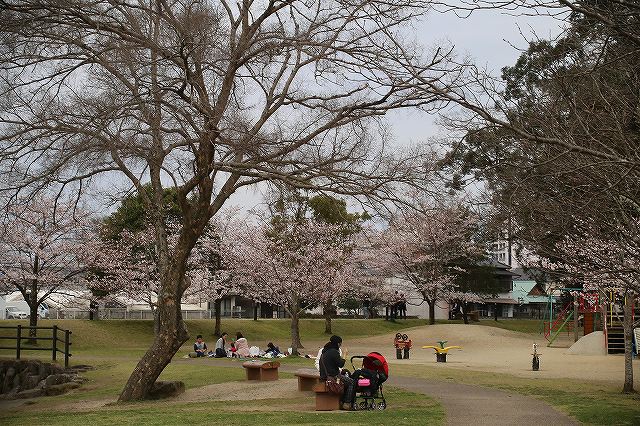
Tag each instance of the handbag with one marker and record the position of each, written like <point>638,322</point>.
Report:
<point>334,384</point>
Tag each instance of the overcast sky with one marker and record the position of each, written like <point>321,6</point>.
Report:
<point>492,40</point>
<point>486,37</point>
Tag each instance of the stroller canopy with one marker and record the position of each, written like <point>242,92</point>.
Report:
<point>376,362</point>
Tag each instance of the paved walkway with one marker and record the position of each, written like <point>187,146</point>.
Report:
<point>467,404</point>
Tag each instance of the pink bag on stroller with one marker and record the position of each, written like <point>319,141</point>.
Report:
<point>364,382</point>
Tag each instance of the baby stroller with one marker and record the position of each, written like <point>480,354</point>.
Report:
<point>368,382</point>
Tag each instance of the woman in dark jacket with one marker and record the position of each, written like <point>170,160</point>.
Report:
<point>331,364</point>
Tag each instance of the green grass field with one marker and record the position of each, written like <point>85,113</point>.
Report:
<point>113,348</point>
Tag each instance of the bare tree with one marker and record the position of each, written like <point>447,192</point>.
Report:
<point>208,97</point>
<point>558,142</point>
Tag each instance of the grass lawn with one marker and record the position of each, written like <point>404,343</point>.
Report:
<point>404,408</point>
<point>123,336</point>
<point>528,326</point>
<point>114,347</point>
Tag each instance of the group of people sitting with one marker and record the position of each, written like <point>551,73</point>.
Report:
<point>330,360</point>
<point>239,348</point>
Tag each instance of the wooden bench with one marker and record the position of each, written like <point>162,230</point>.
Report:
<point>307,377</point>
<point>325,400</point>
<point>261,370</point>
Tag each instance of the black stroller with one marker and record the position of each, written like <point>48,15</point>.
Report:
<point>368,382</point>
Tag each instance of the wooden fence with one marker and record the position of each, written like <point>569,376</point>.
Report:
<point>55,338</point>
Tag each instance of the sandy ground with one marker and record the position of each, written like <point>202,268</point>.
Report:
<point>496,350</point>
<point>242,391</point>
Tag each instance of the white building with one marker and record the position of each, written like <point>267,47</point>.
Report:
<point>504,251</point>
<point>416,306</point>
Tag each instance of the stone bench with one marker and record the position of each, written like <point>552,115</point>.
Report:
<point>307,377</point>
<point>325,400</point>
<point>261,370</point>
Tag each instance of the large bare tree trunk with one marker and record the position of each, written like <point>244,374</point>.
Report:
<point>172,334</point>
<point>33,322</point>
<point>32,301</point>
<point>465,316</point>
<point>628,339</point>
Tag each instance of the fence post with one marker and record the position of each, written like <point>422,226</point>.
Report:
<point>54,346</point>
<point>18,341</point>
<point>67,335</point>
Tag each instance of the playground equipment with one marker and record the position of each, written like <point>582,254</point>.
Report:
<point>614,319</point>
<point>582,303</point>
<point>535,362</point>
<point>402,343</point>
<point>441,351</point>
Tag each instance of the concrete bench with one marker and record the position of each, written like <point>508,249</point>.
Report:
<point>325,400</point>
<point>307,377</point>
<point>261,370</point>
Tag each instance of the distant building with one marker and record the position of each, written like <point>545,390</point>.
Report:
<point>509,252</point>
<point>526,299</point>
<point>416,306</point>
<point>504,252</point>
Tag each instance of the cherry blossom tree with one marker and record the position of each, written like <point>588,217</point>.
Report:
<point>209,98</point>
<point>301,265</point>
<point>127,267</point>
<point>42,244</point>
<point>208,272</point>
<point>421,247</point>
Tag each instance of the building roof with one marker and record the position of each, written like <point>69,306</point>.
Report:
<point>502,300</point>
<point>500,268</point>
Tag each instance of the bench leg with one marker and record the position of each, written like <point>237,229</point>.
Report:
<point>253,373</point>
<point>270,374</point>
<point>306,383</point>
<point>326,401</point>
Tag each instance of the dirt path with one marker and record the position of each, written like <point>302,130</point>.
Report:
<point>467,405</point>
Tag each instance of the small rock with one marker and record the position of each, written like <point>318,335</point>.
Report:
<point>8,380</point>
<point>30,393</point>
<point>57,379</point>
<point>61,388</point>
<point>30,382</point>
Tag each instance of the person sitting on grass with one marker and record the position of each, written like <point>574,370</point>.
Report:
<point>242,346</point>
<point>272,350</point>
<point>199,347</point>
<point>220,346</point>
